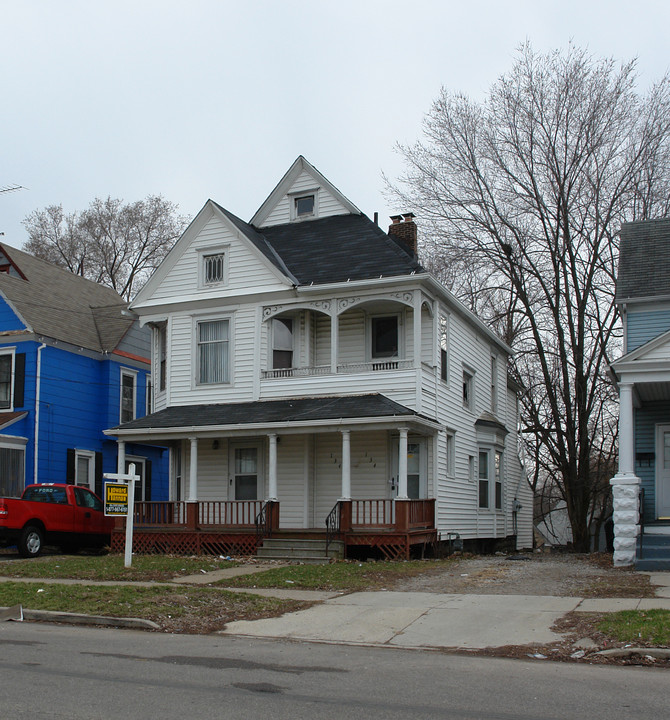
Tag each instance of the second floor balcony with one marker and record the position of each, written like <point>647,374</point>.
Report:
<point>349,336</point>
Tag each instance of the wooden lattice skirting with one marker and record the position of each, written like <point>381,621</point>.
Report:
<point>187,543</point>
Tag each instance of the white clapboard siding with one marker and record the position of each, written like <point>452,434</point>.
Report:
<point>321,339</point>
<point>352,337</point>
<point>183,389</point>
<point>327,204</point>
<point>243,262</point>
<point>213,473</point>
<point>327,487</point>
<point>292,480</point>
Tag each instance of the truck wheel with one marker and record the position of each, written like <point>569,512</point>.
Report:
<point>30,542</point>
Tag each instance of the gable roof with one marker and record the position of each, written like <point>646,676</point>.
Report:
<point>340,248</point>
<point>55,303</point>
<point>644,261</point>
<point>331,249</point>
<point>284,185</point>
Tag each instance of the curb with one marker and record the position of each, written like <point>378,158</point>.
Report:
<point>70,618</point>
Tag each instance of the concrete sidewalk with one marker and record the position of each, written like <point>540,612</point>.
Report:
<point>431,620</point>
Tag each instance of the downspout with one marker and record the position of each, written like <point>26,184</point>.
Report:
<point>38,383</point>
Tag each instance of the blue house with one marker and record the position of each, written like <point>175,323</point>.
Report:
<point>73,362</point>
<point>641,487</point>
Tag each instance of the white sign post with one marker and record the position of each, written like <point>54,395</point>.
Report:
<point>130,477</point>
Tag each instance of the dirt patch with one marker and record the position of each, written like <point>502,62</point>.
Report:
<point>590,576</point>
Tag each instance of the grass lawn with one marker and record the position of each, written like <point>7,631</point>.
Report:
<point>645,627</point>
<point>110,567</point>
<point>176,608</point>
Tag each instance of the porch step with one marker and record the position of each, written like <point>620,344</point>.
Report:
<point>300,550</point>
<point>655,551</point>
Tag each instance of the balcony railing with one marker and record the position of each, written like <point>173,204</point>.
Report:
<point>226,513</point>
<point>343,368</point>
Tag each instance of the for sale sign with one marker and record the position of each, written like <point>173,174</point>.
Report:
<point>116,499</point>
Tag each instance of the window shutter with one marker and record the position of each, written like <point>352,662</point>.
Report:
<point>69,468</point>
<point>19,379</point>
<point>98,474</point>
<point>147,480</point>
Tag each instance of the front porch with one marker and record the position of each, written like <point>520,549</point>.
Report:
<point>388,527</point>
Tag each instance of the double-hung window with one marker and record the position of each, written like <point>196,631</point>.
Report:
<point>6,366</point>
<point>443,336</point>
<point>282,343</point>
<point>128,395</point>
<point>483,478</point>
<point>384,337</point>
<point>213,361</point>
<point>84,468</point>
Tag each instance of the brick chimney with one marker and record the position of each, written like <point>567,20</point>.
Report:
<point>404,228</point>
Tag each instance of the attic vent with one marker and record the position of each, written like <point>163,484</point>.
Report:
<point>304,205</point>
<point>213,268</point>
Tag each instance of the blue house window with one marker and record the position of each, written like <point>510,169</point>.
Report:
<point>6,381</point>
<point>128,392</point>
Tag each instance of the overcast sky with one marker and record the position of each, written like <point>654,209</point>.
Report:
<point>215,99</point>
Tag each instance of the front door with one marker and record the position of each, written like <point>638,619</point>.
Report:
<point>663,472</point>
<point>245,472</point>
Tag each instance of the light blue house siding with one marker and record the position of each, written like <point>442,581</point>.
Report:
<point>641,327</point>
<point>646,419</point>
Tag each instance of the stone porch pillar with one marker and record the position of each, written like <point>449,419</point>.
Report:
<point>625,484</point>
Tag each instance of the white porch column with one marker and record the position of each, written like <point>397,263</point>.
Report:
<point>121,457</point>
<point>272,479</point>
<point>193,472</point>
<point>416,327</point>
<point>625,484</point>
<point>346,465</point>
<point>334,327</point>
<point>402,465</point>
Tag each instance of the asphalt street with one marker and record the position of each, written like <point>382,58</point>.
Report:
<point>58,672</point>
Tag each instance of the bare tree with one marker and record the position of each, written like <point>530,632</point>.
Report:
<point>110,242</point>
<point>522,197</point>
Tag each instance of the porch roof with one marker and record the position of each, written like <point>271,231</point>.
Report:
<point>288,415</point>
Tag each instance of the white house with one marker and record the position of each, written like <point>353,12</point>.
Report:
<point>307,368</point>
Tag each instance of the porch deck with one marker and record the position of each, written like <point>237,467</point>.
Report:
<point>390,527</point>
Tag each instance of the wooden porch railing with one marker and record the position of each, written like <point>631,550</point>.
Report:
<point>372,513</point>
<point>231,513</point>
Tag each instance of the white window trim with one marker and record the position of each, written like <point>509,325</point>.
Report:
<point>293,196</point>
<point>401,337</point>
<point>90,484</point>
<point>127,372</point>
<point>195,380</point>
<point>10,351</point>
<point>450,442</point>
<point>492,451</point>
<point>470,405</point>
<point>216,250</point>
<point>295,320</point>
<point>10,442</point>
<point>161,329</point>
<point>139,461</point>
<point>443,316</point>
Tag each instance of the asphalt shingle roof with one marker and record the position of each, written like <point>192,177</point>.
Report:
<point>60,305</point>
<point>644,260</point>
<point>331,249</point>
<point>274,411</point>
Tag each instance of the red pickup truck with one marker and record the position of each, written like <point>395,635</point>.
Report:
<point>56,514</point>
